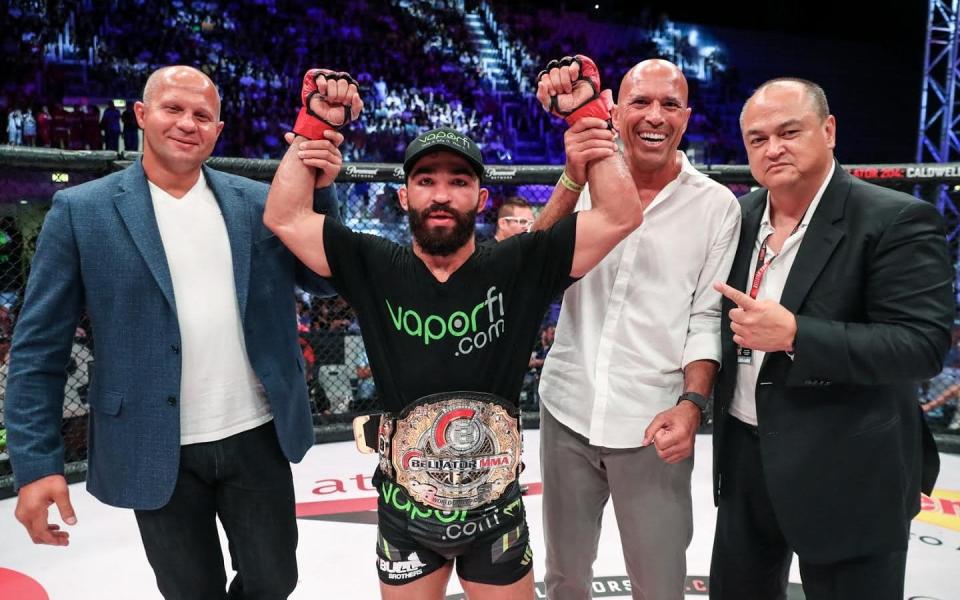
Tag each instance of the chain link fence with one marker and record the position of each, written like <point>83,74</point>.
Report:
<point>338,373</point>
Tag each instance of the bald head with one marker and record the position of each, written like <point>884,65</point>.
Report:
<point>651,116</point>
<point>184,77</point>
<point>654,69</point>
<point>814,95</point>
<point>180,118</point>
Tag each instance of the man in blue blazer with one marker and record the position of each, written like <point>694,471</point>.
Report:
<point>197,398</point>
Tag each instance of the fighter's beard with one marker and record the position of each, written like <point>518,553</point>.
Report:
<point>441,241</point>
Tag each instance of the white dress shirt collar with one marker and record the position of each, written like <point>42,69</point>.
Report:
<point>766,226</point>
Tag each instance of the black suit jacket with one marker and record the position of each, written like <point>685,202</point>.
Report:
<point>844,446</point>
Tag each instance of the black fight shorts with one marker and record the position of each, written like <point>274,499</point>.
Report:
<point>489,544</point>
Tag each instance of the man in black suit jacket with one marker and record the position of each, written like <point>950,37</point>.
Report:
<point>820,448</point>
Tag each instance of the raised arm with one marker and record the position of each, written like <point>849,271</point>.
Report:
<point>617,211</point>
<point>586,141</point>
<point>329,100</point>
<point>289,211</point>
<point>326,203</point>
<point>570,88</point>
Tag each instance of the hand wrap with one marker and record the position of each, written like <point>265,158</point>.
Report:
<point>594,106</point>
<point>309,124</point>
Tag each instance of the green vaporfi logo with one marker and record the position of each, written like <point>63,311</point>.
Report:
<point>475,326</point>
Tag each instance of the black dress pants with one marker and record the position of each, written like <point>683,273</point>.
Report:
<point>751,558</point>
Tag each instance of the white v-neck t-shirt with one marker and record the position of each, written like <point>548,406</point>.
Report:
<point>220,395</point>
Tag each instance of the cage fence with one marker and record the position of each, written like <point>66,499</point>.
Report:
<point>338,374</point>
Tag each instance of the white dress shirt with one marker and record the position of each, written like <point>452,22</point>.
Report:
<point>630,326</point>
<point>744,404</point>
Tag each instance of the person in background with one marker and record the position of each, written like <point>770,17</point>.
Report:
<point>110,127</point>
<point>44,126</point>
<point>131,130</point>
<point>29,129</point>
<point>514,216</point>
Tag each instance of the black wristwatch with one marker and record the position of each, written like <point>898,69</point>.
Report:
<point>699,399</point>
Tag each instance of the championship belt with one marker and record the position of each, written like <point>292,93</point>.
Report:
<point>456,450</point>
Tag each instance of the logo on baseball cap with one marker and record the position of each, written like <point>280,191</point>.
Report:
<point>445,139</point>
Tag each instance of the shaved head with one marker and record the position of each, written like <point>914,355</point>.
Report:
<point>654,68</point>
<point>180,118</point>
<point>651,117</point>
<point>180,76</point>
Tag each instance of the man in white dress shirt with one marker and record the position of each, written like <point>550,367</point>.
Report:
<point>637,345</point>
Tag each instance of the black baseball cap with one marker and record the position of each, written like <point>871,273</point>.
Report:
<point>445,139</point>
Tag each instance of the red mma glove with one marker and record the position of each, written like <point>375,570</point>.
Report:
<point>588,80</point>
<point>310,124</point>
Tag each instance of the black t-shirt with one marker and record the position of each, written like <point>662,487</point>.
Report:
<point>473,332</point>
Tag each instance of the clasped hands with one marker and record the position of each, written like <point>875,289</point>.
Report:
<point>331,100</point>
<point>570,88</point>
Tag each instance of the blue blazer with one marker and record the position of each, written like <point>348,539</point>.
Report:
<point>100,250</point>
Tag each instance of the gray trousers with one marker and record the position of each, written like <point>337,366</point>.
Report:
<point>651,500</point>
